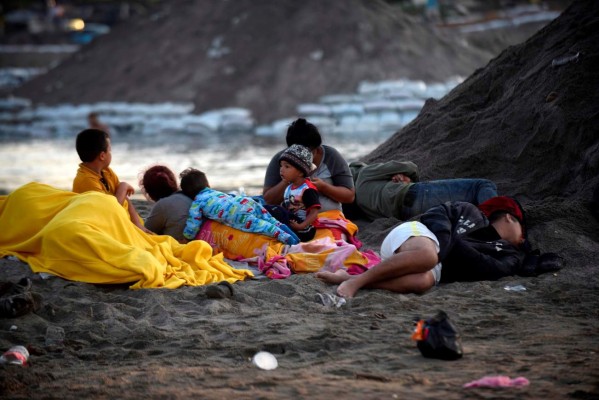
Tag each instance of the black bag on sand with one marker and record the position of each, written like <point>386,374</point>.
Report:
<point>437,337</point>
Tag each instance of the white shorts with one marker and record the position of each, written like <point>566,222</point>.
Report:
<point>403,232</point>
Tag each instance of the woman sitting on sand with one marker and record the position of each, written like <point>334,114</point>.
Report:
<point>332,177</point>
<point>169,214</point>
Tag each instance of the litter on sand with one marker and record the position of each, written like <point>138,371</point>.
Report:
<point>265,360</point>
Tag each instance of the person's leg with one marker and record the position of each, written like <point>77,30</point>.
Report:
<point>335,278</point>
<point>486,189</point>
<point>406,271</point>
<point>424,195</point>
<point>413,283</point>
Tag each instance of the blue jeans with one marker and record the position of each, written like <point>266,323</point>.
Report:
<point>422,196</point>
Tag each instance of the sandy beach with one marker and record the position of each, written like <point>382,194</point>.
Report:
<point>155,343</point>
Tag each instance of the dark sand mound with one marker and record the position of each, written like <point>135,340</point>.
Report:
<point>525,123</point>
<point>260,55</point>
<point>521,121</point>
<point>178,344</point>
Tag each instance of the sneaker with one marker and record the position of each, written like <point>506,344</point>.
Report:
<point>19,304</point>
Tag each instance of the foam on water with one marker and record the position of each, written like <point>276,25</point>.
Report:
<point>38,142</point>
<point>232,162</point>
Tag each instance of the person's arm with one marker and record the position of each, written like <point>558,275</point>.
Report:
<point>341,188</point>
<point>438,220</point>
<point>194,221</point>
<point>310,218</point>
<point>135,218</point>
<point>311,202</point>
<point>273,195</point>
<point>386,171</point>
<point>274,186</point>
<point>450,220</point>
<point>341,194</point>
<point>123,191</point>
<point>483,261</point>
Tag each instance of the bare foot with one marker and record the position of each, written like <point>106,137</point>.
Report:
<point>335,278</point>
<point>348,288</point>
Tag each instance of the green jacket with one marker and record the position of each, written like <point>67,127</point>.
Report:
<point>376,194</point>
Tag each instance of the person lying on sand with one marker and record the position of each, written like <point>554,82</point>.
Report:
<point>464,241</point>
<point>239,212</point>
<point>392,189</point>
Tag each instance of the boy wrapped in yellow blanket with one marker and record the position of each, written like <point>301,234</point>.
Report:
<point>89,237</point>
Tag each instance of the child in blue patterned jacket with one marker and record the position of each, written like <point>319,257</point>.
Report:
<point>238,212</point>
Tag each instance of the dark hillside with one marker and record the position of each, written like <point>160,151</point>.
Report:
<point>262,55</point>
<point>522,121</point>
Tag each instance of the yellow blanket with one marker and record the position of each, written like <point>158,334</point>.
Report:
<point>88,237</point>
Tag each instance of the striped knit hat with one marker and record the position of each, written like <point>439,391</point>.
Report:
<point>300,157</point>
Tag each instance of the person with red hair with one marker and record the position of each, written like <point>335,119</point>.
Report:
<point>465,242</point>
<point>171,208</point>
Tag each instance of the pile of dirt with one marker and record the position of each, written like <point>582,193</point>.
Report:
<point>528,120</point>
<point>264,56</point>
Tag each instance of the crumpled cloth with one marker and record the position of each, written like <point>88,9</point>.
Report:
<point>326,252</point>
<point>498,381</point>
<point>89,237</point>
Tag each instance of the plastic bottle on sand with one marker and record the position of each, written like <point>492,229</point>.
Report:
<point>17,355</point>
<point>54,336</point>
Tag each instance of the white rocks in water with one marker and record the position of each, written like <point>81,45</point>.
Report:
<point>14,104</point>
<point>314,109</point>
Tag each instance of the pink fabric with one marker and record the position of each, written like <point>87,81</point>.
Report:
<point>373,259</point>
<point>339,251</point>
<point>498,381</point>
<point>277,261</point>
<point>275,267</point>
<point>339,225</point>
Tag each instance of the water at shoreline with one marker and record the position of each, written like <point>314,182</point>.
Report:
<point>231,162</point>
<point>37,142</point>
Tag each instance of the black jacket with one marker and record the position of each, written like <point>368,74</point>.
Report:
<point>470,248</point>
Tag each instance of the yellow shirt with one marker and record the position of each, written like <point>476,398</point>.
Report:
<point>88,180</point>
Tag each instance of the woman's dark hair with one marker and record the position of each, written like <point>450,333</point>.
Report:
<point>158,182</point>
<point>90,143</point>
<point>193,181</point>
<point>302,132</point>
